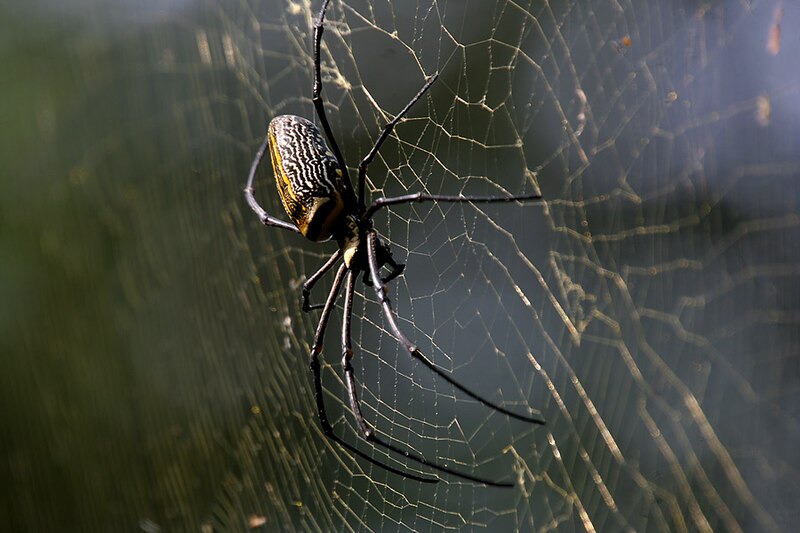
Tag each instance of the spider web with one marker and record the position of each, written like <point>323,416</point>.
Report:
<point>648,308</point>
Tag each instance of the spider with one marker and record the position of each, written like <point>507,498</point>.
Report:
<point>318,197</point>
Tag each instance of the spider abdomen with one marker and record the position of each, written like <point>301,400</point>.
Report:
<point>307,175</point>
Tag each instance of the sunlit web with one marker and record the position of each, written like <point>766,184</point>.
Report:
<point>648,309</point>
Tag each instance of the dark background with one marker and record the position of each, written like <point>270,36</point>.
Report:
<point>154,371</point>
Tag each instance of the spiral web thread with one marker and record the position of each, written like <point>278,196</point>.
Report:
<point>648,308</point>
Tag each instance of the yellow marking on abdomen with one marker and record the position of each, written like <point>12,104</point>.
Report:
<point>277,165</point>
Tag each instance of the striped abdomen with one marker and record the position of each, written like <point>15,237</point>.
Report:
<point>308,176</point>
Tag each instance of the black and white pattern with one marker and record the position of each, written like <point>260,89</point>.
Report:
<point>306,166</point>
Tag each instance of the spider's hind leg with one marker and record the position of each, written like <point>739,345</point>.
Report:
<point>366,431</point>
<point>316,369</point>
<point>388,312</point>
<point>310,282</point>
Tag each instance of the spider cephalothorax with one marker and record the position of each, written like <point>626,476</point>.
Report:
<point>316,192</point>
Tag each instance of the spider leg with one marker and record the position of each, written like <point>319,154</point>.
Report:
<point>315,277</point>
<point>396,271</point>
<point>397,268</point>
<point>423,197</point>
<point>367,433</point>
<point>319,106</point>
<point>316,369</point>
<point>380,290</point>
<point>387,130</point>
<point>263,216</point>
<point>386,258</point>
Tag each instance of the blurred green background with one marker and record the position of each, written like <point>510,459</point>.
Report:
<point>153,352</point>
